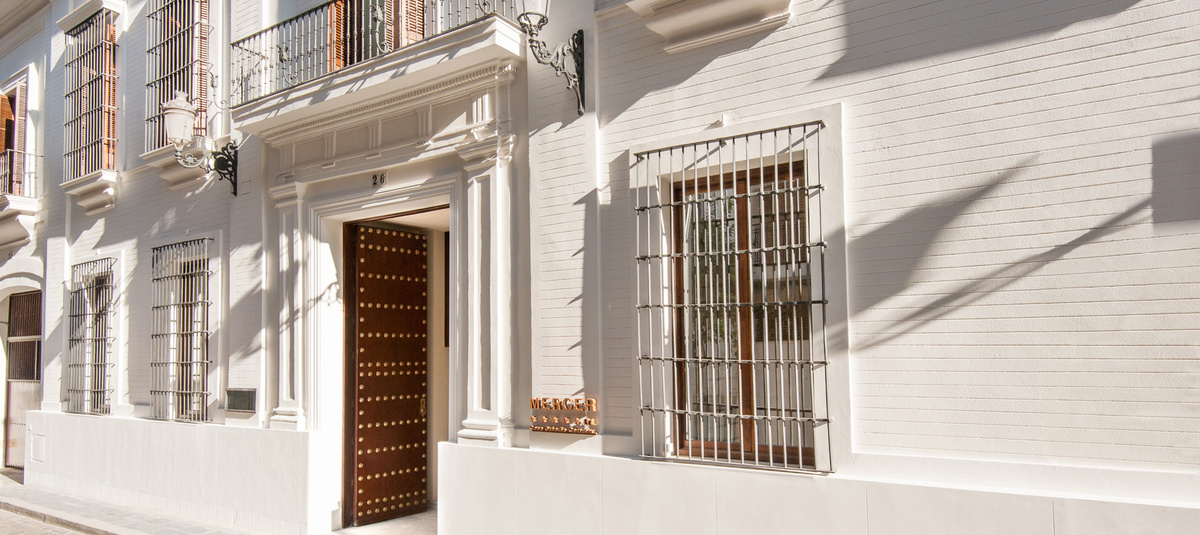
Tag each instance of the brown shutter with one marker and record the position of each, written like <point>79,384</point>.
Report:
<point>411,21</point>
<point>18,142</point>
<point>109,88</point>
<point>6,122</point>
<point>337,35</point>
<point>200,66</point>
<point>389,25</point>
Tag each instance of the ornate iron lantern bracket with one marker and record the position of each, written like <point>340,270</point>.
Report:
<point>179,115</point>
<point>532,23</point>
<point>223,163</point>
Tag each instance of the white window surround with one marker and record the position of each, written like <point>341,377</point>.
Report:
<point>689,24</point>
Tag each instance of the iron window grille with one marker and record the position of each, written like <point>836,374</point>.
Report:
<point>179,366</point>
<point>730,301</point>
<point>176,60</point>
<point>90,340</point>
<point>91,96</point>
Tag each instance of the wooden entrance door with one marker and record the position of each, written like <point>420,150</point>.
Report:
<point>386,380</point>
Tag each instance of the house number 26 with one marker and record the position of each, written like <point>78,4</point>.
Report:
<point>378,180</point>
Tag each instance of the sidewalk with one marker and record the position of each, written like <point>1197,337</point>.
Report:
<point>98,517</point>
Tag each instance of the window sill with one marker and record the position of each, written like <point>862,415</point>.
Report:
<point>95,192</point>
<point>689,24</point>
<point>177,176</point>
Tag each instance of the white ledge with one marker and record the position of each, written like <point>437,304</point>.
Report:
<point>178,176</point>
<point>689,24</point>
<point>95,192</point>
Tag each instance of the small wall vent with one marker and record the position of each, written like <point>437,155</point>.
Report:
<point>240,399</point>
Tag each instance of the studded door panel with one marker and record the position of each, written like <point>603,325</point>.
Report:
<point>390,382</point>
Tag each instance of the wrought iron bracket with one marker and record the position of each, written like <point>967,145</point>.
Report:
<point>573,48</point>
<point>223,163</point>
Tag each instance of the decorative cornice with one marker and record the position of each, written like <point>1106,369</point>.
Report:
<point>503,72</point>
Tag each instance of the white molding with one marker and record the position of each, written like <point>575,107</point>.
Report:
<point>81,13</point>
<point>391,106</point>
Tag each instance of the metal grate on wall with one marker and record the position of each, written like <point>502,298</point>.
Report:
<point>730,301</point>
<point>91,96</point>
<point>179,363</point>
<point>90,339</point>
<point>176,60</point>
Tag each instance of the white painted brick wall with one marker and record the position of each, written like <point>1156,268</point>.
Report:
<point>146,212</point>
<point>1013,294</point>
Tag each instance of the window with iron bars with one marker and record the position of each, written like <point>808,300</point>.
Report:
<point>16,164</point>
<point>179,366</point>
<point>176,60</point>
<point>90,339</point>
<point>91,95</point>
<point>730,301</point>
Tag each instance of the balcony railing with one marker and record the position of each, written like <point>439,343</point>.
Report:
<point>341,33</point>
<point>16,173</point>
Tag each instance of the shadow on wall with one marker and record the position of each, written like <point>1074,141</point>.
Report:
<point>1176,171</point>
<point>589,342</point>
<point>886,33</point>
<point>970,292</point>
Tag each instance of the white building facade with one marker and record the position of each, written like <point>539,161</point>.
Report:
<point>847,267</point>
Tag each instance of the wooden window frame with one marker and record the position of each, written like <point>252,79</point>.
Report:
<point>749,447</point>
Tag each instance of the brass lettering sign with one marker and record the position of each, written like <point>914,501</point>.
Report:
<point>563,415</point>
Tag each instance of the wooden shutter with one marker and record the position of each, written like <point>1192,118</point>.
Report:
<point>411,21</point>
<point>6,123</point>
<point>18,142</point>
<point>337,35</point>
<point>200,66</point>
<point>109,88</point>
<point>389,24</point>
